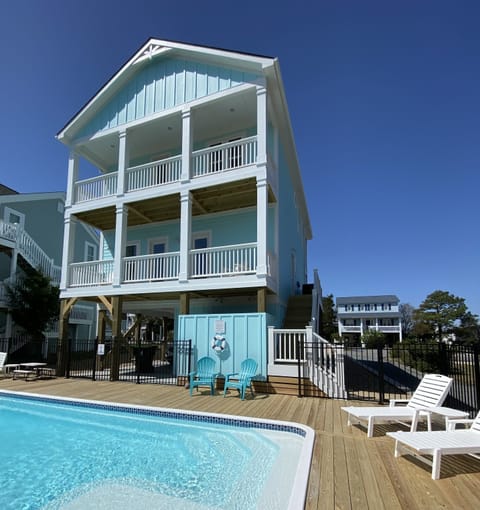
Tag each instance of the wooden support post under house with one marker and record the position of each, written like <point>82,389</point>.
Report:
<point>66,306</point>
<point>262,300</point>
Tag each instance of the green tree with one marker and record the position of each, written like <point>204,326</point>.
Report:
<point>373,339</point>
<point>468,331</point>
<point>439,314</point>
<point>329,325</point>
<point>33,302</point>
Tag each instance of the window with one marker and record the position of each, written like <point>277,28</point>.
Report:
<point>367,308</point>
<point>132,249</point>
<point>13,216</point>
<point>90,252</point>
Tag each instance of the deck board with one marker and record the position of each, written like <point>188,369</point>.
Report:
<point>348,470</point>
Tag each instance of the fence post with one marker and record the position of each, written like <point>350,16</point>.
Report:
<point>381,376</point>
<point>299,362</point>
<point>476,368</point>
<point>138,354</point>
<point>95,349</point>
<point>68,356</point>
<point>443,359</point>
<point>115,361</point>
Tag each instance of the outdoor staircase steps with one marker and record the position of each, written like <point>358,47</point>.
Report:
<point>299,312</point>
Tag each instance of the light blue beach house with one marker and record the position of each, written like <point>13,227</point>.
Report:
<point>185,162</point>
<point>31,233</point>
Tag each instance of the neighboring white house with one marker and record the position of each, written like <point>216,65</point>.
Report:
<point>359,314</point>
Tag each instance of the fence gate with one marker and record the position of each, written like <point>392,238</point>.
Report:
<point>164,363</point>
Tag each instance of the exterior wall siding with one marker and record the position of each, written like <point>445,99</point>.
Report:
<point>245,335</point>
<point>224,229</point>
<point>291,235</point>
<point>161,85</point>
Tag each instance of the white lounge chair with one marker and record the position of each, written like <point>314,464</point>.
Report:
<point>3,358</point>
<point>439,442</point>
<point>430,393</point>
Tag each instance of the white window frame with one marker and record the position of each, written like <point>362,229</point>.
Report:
<point>9,212</point>
<point>206,234</point>
<point>157,240</point>
<point>132,243</point>
<point>95,251</point>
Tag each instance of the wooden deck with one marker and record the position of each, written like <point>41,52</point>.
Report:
<point>348,470</point>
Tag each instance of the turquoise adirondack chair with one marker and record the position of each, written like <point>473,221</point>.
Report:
<point>205,374</point>
<point>243,379</point>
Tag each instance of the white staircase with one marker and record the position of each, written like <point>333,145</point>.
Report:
<point>14,236</point>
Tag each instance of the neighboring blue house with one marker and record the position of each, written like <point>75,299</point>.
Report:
<point>185,163</point>
<point>31,233</point>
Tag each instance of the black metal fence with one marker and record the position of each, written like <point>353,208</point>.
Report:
<point>164,363</point>
<point>381,374</point>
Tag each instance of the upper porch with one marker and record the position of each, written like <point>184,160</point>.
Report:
<point>217,140</point>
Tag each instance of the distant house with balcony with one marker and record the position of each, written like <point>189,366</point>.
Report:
<point>31,234</point>
<point>358,315</point>
<point>197,195</point>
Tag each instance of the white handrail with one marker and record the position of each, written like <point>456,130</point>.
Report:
<point>159,266</point>
<point>30,250</point>
<point>97,272</point>
<point>95,187</point>
<point>154,174</point>
<point>224,260</point>
<point>225,156</point>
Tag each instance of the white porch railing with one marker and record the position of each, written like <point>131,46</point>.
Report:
<point>161,266</point>
<point>154,174</point>
<point>96,187</point>
<point>30,250</point>
<point>320,362</point>
<point>98,272</point>
<point>224,260</point>
<point>351,329</point>
<point>226,156</point>
<point>8,231</point>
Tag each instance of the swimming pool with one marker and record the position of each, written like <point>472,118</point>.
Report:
<point>67,454</point>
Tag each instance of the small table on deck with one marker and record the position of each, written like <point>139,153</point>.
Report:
<point>33,368</point>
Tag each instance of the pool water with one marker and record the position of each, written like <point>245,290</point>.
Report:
<point>56,455</point>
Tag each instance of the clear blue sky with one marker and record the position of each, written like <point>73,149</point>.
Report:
<point>384,98</point>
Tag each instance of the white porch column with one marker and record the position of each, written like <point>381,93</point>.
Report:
<point>123,161</point>
<point>186,145</point>
<point>69,226</point>
<point>120,242</point>
<point>261,124</point>
<point>262,215</point>
<point>185,235</point>
<point>71,179</point>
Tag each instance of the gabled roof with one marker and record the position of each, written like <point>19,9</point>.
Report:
<point>386,298</point>
<point>154,48</point>
<point>5,190</point>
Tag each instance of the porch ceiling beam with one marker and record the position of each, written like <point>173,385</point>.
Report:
<point>198,205</point>
<point>138,213</point>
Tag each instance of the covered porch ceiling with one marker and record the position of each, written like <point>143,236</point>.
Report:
<point>212,199</point>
